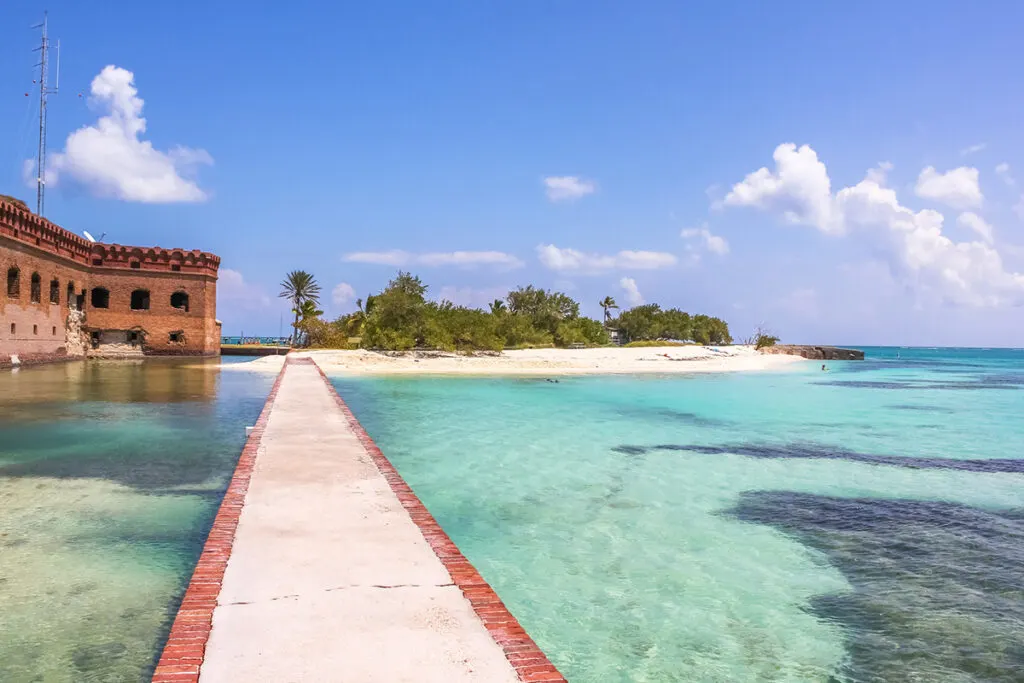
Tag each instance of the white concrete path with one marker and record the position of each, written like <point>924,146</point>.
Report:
<point>329,578</point>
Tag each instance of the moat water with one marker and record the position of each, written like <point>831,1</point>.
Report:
<point>110,475</point>
<point>860,525</point>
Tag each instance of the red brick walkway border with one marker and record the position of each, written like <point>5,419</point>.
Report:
<point>186,645</point>
<point>528,660</point>
<point>183,654</point>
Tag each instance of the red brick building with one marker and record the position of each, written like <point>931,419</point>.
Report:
<point>64,296</point>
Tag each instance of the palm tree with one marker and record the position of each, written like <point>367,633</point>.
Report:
<point>607,304</point>
<point>299,287</point>
<point>497,307</point>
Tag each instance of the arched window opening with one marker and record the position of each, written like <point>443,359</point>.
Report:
<point>13,283</point>
<point>36,290</point>
<point>54,291</point>
<point>140,300</point>
<point>180,300</point>
<point>100,298</point>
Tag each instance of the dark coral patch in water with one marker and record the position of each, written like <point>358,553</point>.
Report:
<point>938,588</point>
<point>813,451</point>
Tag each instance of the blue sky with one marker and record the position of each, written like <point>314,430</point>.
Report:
<point>597,147</point>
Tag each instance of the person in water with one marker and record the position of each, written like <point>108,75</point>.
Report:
<point>823,368</point>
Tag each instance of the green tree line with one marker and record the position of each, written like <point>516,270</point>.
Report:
<point>401,317</point>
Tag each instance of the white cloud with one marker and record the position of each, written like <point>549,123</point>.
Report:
<point>973,148</point>
<point>459,259</point>
<point>976,224</point>
<point>572,260</point>
<point>233,289</point>
<point>964,273</point>
<point>380,258</point>
<point>716,244</point>
<point>957,188</point>
<point>1003,171</point>
<point>567,188</point>
<point>799,189</point>
<point>109,157</point>
<point>343,294</point>
<point>1018,208</point>
<point>633,295</point>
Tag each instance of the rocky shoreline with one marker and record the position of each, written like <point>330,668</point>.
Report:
<point>815,352</point>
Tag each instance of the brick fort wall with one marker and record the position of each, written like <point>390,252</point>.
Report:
<point>63,296</point>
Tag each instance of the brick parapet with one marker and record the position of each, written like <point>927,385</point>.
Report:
<point>27,228</point>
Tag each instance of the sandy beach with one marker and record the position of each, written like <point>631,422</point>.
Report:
<point>657,360</point>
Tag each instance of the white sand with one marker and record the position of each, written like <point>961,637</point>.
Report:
<point>659,360</point>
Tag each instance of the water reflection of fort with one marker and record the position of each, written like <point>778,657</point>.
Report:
<point>144,381</point>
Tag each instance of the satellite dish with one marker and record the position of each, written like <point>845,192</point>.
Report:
<point>88,236</point>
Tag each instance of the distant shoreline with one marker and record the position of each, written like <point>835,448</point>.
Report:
<point>532,362</point>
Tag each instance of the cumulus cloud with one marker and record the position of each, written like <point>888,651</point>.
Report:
<point>957,188</point>
<point>973,148</point>
<point>233,289</point>
<point>110,158</point>
<point>343,294</point>
<point>633,295</point>
<point>799,189</point>
<point>976,224</point>
<point>716,244</point>
<point>458,259</point>
<point>567,187</point>
<point>965,273</point>
<point>572,260</point>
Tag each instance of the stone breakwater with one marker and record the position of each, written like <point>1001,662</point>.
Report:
<point>815,352</point>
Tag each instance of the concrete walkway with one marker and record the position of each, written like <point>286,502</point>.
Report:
<point>329,578</point>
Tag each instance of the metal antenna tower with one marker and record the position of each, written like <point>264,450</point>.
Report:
<point>44,92</point>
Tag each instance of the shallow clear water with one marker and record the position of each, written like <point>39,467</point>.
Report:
<point>863,524</point>
<point>110,474</point>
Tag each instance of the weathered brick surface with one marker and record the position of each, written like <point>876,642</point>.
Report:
<point>34,245</point>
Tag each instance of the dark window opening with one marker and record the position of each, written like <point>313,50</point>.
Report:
<point>12,328</point>
<point>133,338</point>
<point>35,329</point>
<point>177,337</point>
<point>97,262</point>
<point>180,300</point>
<point>100,298</point>
<point>36,289</point>
<point>71,295</point>
<point>175,267</point>
<point>13,283</point>
<point>94,338</point>
<point>140,300</point>
<point>54,292</point>
<point>54,332</point>
<point>135,264</point>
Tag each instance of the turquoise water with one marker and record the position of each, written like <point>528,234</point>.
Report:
<point>861,524</point>
<point>110,474</point>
